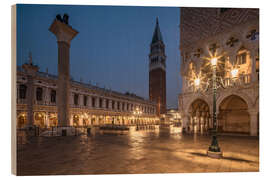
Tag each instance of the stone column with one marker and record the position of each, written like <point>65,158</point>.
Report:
<point>47,119</point>
<point>31,71</point>
<point>202,124</point>
<point>81,100</point>
<point>90,101</point>
<point>198,124</point>
<point>185,122</point>
<point>253,66</point>
<point>64,34</point>
<point>110,104</point>
<point>71,119</point>
<point>191,124</point>
<point>253,123</point>
<point>120,106</point>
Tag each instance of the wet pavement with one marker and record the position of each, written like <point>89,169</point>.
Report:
<point>145,151</point>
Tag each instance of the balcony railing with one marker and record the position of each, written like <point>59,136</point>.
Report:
<point>241,80</point>
<point>228,82</point>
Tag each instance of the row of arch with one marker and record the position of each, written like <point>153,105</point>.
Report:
<point>44,119</point>
<point>235,113</point>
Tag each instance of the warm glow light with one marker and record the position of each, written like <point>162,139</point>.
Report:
<point>234,72</point>
<point>214,61</point>
<point>197,82</point>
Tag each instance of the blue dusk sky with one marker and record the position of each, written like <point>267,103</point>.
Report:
<point>111,49</point>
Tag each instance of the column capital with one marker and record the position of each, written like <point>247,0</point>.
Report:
<point>253,112</point>
<point>62,31</point>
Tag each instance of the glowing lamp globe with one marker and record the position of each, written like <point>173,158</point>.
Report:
<point>234,73</point>
<point>214,61</point>
<point>197,82</point>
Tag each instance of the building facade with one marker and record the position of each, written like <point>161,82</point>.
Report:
<point>157,71</point>
<point>89,105</point>
<point>232,36</point>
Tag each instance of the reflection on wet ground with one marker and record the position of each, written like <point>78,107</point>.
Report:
<point>146,151</point>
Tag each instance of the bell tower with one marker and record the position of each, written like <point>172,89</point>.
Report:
<point>157,71</point>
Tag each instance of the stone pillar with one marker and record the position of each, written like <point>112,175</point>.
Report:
<point>46,99</point>
<point>253,123</point>
<point>64,34</point>
<point>47,119</point>
<point>202,124</point>
<point>81,100</point>
<point>185,122</point>
<point>120,106</point>
<point>198,123</point>
<point>71,119</point>
<point>191,124</point>
<point>110,104</point>
<point>31,71</point>
<point>253,66</point>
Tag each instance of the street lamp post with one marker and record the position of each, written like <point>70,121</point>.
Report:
<point>214,149</point>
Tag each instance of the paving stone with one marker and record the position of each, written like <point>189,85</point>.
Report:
<point>135,152</point>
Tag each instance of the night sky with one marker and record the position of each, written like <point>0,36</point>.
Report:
<point>111,49</point>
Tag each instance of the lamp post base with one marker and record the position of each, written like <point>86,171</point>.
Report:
<point>213,154</point>
<point>214,150</point>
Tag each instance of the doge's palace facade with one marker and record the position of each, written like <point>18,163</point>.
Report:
<point>233,34</point>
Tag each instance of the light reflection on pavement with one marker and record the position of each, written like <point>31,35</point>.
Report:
<point>145,151</point>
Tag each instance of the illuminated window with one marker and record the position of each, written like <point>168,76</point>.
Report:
<point>241,58</point>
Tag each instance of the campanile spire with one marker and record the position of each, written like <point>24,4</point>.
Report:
<point>157,71</point>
